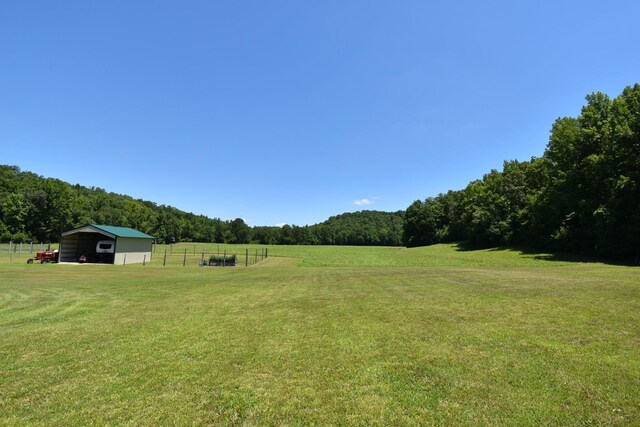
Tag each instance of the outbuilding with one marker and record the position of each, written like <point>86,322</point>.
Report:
<point>105,244</point>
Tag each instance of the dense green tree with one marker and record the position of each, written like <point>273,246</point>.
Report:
<point>423,221</point>
<point>266,235</point>
<point>582,196</point>
<point>240,231</point>
<point>14,212</point>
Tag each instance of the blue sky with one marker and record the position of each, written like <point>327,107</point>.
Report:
<point>291,111</point>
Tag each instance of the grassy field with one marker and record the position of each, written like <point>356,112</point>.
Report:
<point>322,335</point>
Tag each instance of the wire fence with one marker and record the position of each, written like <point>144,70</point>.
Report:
<point>17,250</point>
<point>182,254</point>
<point>236,257</point>
<point>25,248</point>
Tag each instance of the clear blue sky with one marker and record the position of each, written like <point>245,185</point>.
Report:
<point>293,111</point>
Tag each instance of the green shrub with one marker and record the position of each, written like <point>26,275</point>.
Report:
<point>219,259</point>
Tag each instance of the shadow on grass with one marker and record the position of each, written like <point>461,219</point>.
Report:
<point>537,254</point>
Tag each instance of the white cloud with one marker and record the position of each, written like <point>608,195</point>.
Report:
<point>364,202</point>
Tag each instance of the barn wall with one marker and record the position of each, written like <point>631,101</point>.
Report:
<point>136,250</point>
<point>68,248</point>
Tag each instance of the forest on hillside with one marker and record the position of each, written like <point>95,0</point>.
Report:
<point>34,208</point>
<point>582,196</point>
<point>364,228</point>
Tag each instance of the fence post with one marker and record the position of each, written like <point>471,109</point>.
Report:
<point>184,260</point>
<point>202,259</point>
<point>266,252</point>
<point>224,259</point>
<point>124,261</point>
<point>246,258</point>
<point>31,249</point>
<point>9,248</point>
<point>144,260</point>
<point>165,258</point>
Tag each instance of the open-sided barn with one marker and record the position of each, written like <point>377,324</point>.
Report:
<point>105,244</point>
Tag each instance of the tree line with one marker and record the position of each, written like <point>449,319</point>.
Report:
<point>34,208</point>
<point>582,196</point>
<point>364,228</point>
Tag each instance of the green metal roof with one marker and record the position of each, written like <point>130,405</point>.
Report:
<point>122,231</point>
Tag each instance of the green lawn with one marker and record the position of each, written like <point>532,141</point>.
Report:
<point>322,335</point>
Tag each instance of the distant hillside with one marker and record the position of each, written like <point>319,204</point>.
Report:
<point>371,228</point>
<point>363,228</point>
<point>34,208</point>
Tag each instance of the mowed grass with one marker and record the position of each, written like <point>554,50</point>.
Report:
<point>325,336</point>
<point>445,255</point>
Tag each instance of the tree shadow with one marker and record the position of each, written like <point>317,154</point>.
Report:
<point>544,256</point>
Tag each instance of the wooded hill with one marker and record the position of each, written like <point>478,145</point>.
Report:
<point>370,228</point>
<point>582,196</point>
<point>34,208</point>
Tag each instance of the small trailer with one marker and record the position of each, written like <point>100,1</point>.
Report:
<point>103,253</point>
<point>44,257</point>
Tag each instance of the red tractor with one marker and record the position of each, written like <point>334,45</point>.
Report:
<point>44,257</point>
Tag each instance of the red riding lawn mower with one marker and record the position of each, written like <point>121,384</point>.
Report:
<point>44,257</point>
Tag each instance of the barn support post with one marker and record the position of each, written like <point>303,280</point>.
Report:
<point>144,260</point>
